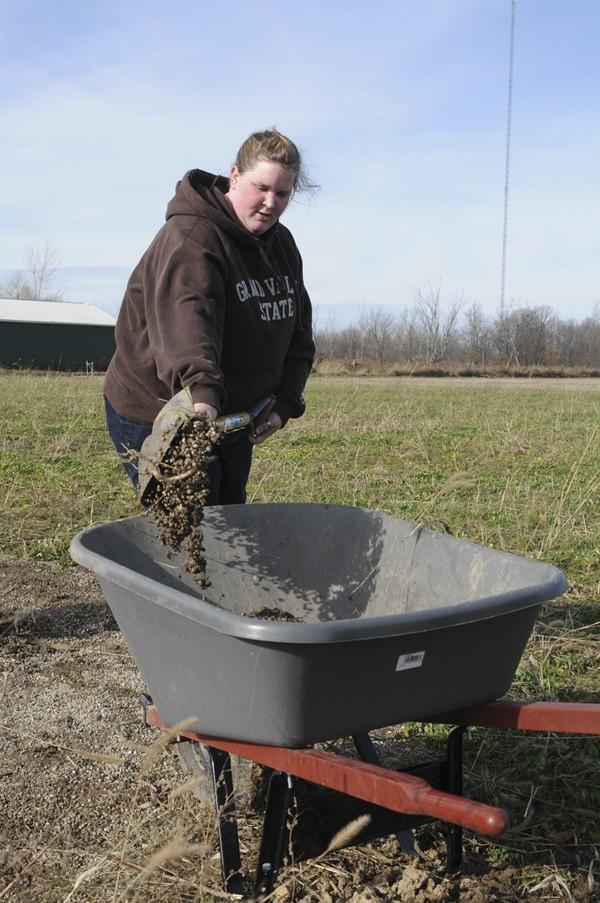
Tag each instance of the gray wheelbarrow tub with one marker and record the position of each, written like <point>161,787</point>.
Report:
<point>398,622</point>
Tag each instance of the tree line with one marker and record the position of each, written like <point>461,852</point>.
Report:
<point>429,335</point>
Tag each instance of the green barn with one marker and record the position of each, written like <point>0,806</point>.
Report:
<point>55,335</point>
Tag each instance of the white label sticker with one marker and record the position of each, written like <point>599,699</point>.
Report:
<point>410,660</point>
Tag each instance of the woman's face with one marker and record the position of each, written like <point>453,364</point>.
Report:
<point>260,195</point>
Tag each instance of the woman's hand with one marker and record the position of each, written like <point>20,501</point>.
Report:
<point>205,411</point>
<point>266,429</point>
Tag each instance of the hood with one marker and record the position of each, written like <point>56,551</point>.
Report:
<point>202,194</point>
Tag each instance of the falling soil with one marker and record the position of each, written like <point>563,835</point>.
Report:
<point>272,614</point>
<point>178,494</point>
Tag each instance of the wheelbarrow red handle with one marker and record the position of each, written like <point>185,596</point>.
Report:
<point>459,810</point>
<point>391,789</point>
<point>556,717</point>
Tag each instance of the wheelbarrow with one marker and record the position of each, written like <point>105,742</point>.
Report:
<point>394,623</point>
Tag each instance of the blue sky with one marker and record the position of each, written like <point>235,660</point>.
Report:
<point>399,107</point>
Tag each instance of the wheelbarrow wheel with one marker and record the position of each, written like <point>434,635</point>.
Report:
<point>195,762</point>
<point>248,777</point>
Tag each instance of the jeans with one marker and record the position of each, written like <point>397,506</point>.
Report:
<point>127,435</point>
<point>228,474</point>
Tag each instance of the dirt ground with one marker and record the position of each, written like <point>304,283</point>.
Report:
<point>93,809</point>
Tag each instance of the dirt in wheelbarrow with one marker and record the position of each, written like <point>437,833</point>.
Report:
<point>272,614</point>
<point>95,807</point>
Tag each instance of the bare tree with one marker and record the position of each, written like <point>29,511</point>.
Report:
<point>409,336</point>
<point>350,342</point>
<point>533,334</point>
<point>325,338</point>
<point>41,265</point>
<point>524,335</point>
<point>477,336</point>
<point>588,342</point>
<point>568,344</point>
<point>504,337</point>
<point>17,287</point>
<point>437,326</point>
<point>377,327</point>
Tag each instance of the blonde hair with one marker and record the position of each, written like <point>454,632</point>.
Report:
<point>272,146</point>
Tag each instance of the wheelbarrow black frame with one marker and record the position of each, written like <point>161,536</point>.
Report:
<point>340,788</point>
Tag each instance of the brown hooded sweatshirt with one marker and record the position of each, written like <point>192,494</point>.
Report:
<point>213,307</point>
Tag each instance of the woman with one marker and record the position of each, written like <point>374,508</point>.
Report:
<point>217,304</point>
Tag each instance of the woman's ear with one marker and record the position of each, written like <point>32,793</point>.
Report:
<point>234,175</point>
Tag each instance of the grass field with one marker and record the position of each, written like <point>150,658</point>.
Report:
<point>510,464</point>
<point>513,464</point>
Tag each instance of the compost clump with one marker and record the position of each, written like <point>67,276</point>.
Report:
<point>179,491</point>
<point>272,614</point>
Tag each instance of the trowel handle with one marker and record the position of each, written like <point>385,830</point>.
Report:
<point>261,410</point>
<point>231,423</point>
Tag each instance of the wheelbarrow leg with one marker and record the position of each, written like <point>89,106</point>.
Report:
<point>454,835</point>
<point>276,832</point>
<point>220,767</point>
<point>368,753</point>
